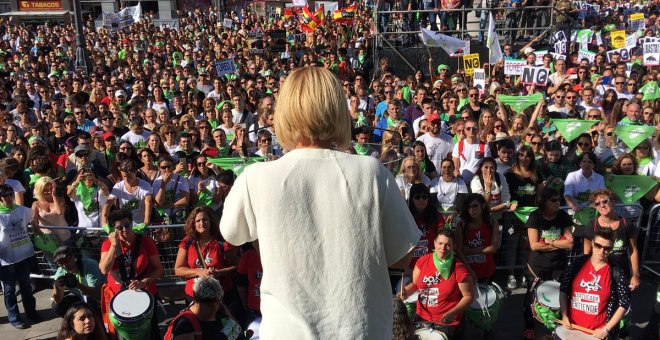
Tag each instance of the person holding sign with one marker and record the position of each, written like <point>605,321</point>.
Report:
<point>581,183</point>
<point>624,252</point>
<point>594,294</point>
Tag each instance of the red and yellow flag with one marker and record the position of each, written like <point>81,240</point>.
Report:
<point>345,15</point>
<point>308,22</point>
<point>288,13</point>
<point>320,15</point>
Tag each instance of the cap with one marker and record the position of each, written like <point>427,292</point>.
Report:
<point>62,252</point>
<point>120,93</point>
<point>70,142</point>
<point>442,67</point>
<point>528,50</point>
<point>94,130</point>
<point>437,83</point>
<point>81,148</point>
<point>433,117</point>
<point>108,135</point>
<point>501,136</point>
<point>268,73</point>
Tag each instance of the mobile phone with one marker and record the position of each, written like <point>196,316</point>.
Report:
<point>606,80</point>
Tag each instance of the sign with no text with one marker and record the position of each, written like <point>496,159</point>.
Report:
<point>471,61</point>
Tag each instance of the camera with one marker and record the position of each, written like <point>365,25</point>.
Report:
<point>70,281</point>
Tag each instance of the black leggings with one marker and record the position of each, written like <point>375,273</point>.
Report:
<point>536,276</point>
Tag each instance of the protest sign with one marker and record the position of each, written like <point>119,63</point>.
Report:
<point>560,47</point>
<point>618,39</point>
<point>278,38</point>
<point>228,23</point>
<point>651,54</point>
<point>584,54</point>
<point>636,22</point>
<point>556,56</point>
<point>123,18</point>
<point>514,67</point>
<point>631,41</point>
<point>479,79</point>
<point>539,57</point>
<point>471,61</point>
<point>223,67</point>
<point>535,75</point>
<point>624,52</point>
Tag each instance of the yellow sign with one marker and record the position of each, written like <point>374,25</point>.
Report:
<point>618,39</point>
<point>637,16</point>
<point>471,61</point>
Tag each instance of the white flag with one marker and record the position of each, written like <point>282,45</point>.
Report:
<point>493,42</point>
<point>435,39</point>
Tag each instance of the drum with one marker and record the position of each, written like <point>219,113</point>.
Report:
<point>546,303</point>
<point>131,312</point>
<point>485,307</point>
<point>562,333</point>
<point>411,305</point>
<point>253,328</point>
<point>430,334</point>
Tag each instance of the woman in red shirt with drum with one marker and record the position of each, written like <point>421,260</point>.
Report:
<point>203,240</point>
<point>594,293</point>
<point>478,237</point>
<point>445,288</point>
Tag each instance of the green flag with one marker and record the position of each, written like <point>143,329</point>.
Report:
<point>519,103</point>
<point>630,189</point>
<point>572,128</point>
<point>632,135</point>
<point>650,91</point>
<point>524,212</point>
<point>236,164</point>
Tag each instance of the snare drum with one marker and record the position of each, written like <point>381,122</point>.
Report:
<point>562,333</point>
<point>430,334</point>
<point>131,312</point>
<point>485,307</point>
<point>411,305</point>
<point>254,328</point>
<point>546,303</point>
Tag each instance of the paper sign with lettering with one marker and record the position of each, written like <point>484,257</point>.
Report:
<point>471,61</point>
<point>228,23</point>
<point>651,53</point>
<point>618,39</point>
<point>225,67</point>
<point>539,57</point>
<point>535,75</point>
<point>560,47</point>
<point>624,52</point>
<point>556,56</point>
<point>636,22</point>
<point>631,41</point>
<point>479,79</point>
<point>583,54</point>
<point>514,67</point>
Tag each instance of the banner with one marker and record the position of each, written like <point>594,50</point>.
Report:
<point>572,128</point>
<point>223,67</point>
<point>651,91</point>
<point>618,39</point>
<point>630,189</point>
<point>651,53</point>
<point>535,75</point>
<point>586,54</point>
<point>514,67</point>
<point>435,39</point>
<point>493,42</point>
<point>636,22</point>
<point>539,57</point>
<point>632,135</point>
<point>236,164</point>
<point>471,61</point>
<point>123,18</point>
<point>520,103</point>
<point>624,52</point>
<point>479,79</point>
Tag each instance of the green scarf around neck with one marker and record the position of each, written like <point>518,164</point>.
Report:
<point>85,194</point>
<point>7,210</point>
<point>443,266</point>
<point>361,149</point>
<point>392,123</point>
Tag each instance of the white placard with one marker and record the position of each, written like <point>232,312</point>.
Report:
<point>123,18</point>
<point>223,67</point>
<point>560,47</point>
<point>582,54</point>
<point>479,79</point>
<point>514,67</point>
<point>624,52</point>
<point>535,75</point>
<point>539,57</point>
<point>228,23</point>
<point>558,56</point>
<point>631,41</point>
<point>651,53</point>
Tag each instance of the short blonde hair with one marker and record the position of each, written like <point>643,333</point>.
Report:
<point>311,104</point>
<point>40,185</point>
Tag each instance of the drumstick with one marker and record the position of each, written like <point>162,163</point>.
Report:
<point>579,328</point>
<point>401,290</point>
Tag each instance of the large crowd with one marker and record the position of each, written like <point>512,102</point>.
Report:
<point>151,135</point>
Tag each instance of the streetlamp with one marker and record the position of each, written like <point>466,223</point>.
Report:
<point>82,58</point>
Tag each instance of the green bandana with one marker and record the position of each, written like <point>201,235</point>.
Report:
<point>630,189</point>
<point>523,213</point>
<point>138,228</point>
<point>632,135</point>
<point>204,199</point>
<point>443,266</point>
<point>33,179</point>
<point>236,164</point>
<point>519,103</point>
<point>572,128</point>
<point>85,194</point>
<point>361,149</point>
<point>7,210</point>
<point>361,58</point>
<point>392,123</point>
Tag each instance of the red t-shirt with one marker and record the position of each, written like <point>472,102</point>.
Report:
<point>437,296</point>
<point>589,297</point>
<point>425,244</point>
<point>142,264</point>
<point>483,265</point>
<point>250,265</point>
<point>213,258</point>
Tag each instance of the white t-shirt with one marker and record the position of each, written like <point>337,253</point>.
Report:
<point>15,244</point>
<point>498,193</point>
<point>90,218</point>
<point>210,183</point>
<point>14,184</point>
<point>178,181</point>
<point>447,192</point>
<point>134,138</point>
<point>405,187</point>
<point>325,239</point>
<point>579,187</point>
<point>437,148</point>
<point>470,158</point>
<point>133,202</point>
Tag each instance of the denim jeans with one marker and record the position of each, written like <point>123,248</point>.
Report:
<point>483,22</point>
<point>383,19</point>
<point>9,275</point>
<point>430,4</point>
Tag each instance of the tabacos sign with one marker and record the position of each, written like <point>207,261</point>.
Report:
<point>39,5</point>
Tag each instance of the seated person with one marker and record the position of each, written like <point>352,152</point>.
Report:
<point>77,279</point>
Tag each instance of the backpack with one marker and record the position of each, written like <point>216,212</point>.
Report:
<point>461,145</point>
<point>197,327</point>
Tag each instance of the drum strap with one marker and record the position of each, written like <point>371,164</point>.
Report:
<point>199,255</point>
<point>121,261</point>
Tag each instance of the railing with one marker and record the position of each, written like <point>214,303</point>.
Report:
<point>650,259</point>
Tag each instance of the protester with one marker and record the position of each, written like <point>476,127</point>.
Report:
<point>81,322</point>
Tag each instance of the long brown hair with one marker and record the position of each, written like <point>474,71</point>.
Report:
<point>189,227</point>
<point>67,331</point>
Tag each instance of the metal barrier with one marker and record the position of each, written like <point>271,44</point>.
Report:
<point>90,246</point>
<point>650,259</point>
